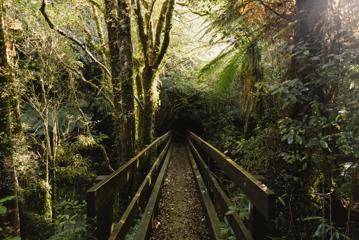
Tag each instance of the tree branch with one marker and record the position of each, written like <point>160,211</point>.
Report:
<point>274,11</point>
<point>166,38</point>
<point>139,103</point>
<point>141,31</point>
<point>160,24</point>
<point>93,86</point>
<point>96,4</point>
<point>72,38</point>
<point>148,18</point>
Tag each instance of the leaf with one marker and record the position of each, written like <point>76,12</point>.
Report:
<point>312,218</point>
<point>290,139</point>
<point>2,210</point>
<point>282,201</point>
<point>13,238</point>
<point>231,210</point>
<point>7,199</point>
<point>299,139</point>
<point>323,144</point>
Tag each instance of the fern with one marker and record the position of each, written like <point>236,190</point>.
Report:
<point>222,71</point>
<point>217,63</point>
<point>229,74</point>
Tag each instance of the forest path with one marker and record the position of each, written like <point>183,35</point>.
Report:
<point>180,215</point>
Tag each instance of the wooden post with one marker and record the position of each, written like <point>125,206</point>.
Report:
<point>103,217</point>
<point>257,223</point>
<point>104,222</point>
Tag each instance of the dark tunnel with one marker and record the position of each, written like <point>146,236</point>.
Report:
<point>186,121</point>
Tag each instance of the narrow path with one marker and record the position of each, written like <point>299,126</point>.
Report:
<point>180,214</point>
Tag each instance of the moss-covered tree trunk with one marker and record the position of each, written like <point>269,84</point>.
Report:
<point>148,105</point>
<point>10,222</point>
<point>120,45</point>
<point>126,79</point>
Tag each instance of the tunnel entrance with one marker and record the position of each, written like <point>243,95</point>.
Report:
<point>186,121</point>
<point>180,111</point>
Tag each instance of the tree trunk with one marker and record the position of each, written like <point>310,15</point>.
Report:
<point>120,44</point>
<point>147,116</point>
<point>112,31</point>
<point>10,222</point>
<point>153,54</point>
<point>48,156</point>
<point>139,109</point>
<point>126,81</point>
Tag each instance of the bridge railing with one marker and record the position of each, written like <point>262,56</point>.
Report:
<point>261,197</point>
<point>101,197</point>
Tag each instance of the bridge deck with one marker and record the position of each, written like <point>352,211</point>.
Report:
<point>180,213</point>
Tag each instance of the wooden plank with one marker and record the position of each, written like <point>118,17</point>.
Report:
<point>123,226</point>
<point>103,192</point>
<point>213,221</point>
<point>238,227</point>
<point>101,178</point>
<point>259,194</point>
<point>150,210</point>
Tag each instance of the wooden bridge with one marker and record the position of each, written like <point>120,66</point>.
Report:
<point>137,185</point>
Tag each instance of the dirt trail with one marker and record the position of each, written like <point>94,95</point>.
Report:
<point>180,213</point>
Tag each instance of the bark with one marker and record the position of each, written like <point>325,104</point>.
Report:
<point>10,222</point>
<point>120,45</point>
<point>114,49</point>
<point>147,113</point>
<point>126,80</point>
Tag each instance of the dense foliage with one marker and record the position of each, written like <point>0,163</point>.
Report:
<point>273,83</point>
<point>291,106</point>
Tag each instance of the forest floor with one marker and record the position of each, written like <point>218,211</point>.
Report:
<point>180,215</point>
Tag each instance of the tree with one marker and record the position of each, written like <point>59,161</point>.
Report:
<point>9,223</point>
<point>154,44</point>
<point>120,44</point>
<point>120,48</point>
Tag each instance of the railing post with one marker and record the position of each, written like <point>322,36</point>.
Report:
<point>104,222</point>
<point>103,216</point>
<point>257,223</point>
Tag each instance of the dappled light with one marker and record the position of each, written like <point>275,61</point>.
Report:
<point>179,119</point>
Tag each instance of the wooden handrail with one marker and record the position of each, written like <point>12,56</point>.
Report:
<point>213,222</point>
<point>102,192</point>
<point>146,223</point>
<point>101,196</point>
<point>238,227</point>
<point>138,201</point>
<point>258,193</point>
